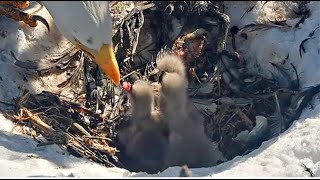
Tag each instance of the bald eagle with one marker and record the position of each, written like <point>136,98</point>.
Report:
<point>87,24</point>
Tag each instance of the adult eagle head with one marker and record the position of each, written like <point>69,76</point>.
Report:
<point>88,24</point>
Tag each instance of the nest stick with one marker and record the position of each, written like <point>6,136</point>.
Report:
<point>37,121</point>
<point>97,137</point>
<point>279,110</point>
<point>244,117</point>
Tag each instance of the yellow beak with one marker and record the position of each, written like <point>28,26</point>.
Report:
<point>106,60</point>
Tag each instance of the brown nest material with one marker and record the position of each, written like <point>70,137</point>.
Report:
<point>68,123</point>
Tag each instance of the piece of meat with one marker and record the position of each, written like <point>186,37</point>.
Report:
<point>127,86</point>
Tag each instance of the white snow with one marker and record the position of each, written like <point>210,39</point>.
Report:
<point>282,156</point>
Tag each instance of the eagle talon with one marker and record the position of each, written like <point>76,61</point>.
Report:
<point>11,10</point>
<point>16,4</point>
<point>42,20</point>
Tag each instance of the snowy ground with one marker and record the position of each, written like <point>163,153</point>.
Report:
<point>282,156</point>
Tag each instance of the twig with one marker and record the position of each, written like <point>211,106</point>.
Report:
<point>296,72</point>
<point>129,74</point>
<point>285,59</point>
<point>49,143</point>
<point>279,111</point>
<point>36,121</point>
<point>264,3</point>
<point>81,129</point>
<point>248,10</point>
<point>307,169</point>
<point>97,137</point>
<point>146,6</point>
<point>115,108</point>
<point>231,117</point>
<point>86,152</point>
<point>219,84</point>
<point>244,117</point>
<point>301,46</point>
<point>8,104</point>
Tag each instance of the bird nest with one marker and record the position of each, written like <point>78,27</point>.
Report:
<point>241,110</point>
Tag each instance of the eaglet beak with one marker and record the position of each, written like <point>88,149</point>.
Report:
<point>106,60</point>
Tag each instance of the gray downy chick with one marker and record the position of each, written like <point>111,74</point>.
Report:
<point>145,140</point>
<point>141,98</point>
<point>188,143</point>
<point>171,63</point>
<point>147,150</point>
<point>173,97</point>
<point>142,104</point>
